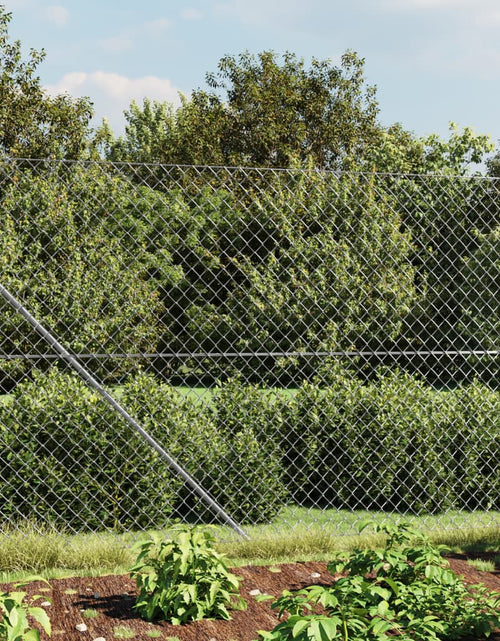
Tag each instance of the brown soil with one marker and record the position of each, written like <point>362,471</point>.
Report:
<point>112,598</point>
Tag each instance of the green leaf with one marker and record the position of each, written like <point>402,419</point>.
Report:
<point>299,627</point>
<point>381,625</point>
<point>392,584</point>
<point>383,608</point>
<point>323,629</point>
<point>31,635</point>
<point>40,615</point>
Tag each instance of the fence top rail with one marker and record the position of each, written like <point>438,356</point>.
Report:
<point>367,173</point>
<point>366,353</point>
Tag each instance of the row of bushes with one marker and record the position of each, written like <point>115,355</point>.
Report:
<point>67,456</point>
<point>391,444</point>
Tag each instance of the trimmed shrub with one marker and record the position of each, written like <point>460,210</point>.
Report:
<point>250,480</point>
<point>395,443</point>
<point>234,460</point>
<point>67,456</point>
<point>183,426</point>
<point>475,446</point>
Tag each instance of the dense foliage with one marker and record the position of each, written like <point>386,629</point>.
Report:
<point>259,273</point>
<point>392,444</point>
<point>405,590</point>
<point>136,259</point>
<point>62,446</point>
<point>64,253</point>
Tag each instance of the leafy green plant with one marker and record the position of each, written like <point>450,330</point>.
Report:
<point>405,589</point>
<point>236,460</point>
<point>14,613</point>
<point>393,443</point>
<point>184,579</point>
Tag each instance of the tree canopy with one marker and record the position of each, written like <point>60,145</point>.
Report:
<point>262,111</point>
<point>267,110</point>
<point>32,123</point>
<point>366,249</point>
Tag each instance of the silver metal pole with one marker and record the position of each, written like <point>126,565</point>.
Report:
<point>87,376</point>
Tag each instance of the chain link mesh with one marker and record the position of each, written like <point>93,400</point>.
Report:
<point>300,342</point>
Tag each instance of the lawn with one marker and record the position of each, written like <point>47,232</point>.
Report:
<point>295,534</point>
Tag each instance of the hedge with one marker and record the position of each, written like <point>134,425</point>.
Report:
<point>69,457</point>
<point>392,444</point>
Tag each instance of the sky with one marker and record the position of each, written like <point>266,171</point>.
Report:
<point>433,61</point>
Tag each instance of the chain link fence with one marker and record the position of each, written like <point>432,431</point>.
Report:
<point>246,346</point>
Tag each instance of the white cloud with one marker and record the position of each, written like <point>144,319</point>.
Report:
<point>57,14</point>
<point>191,14</point>
<point>112,93</point>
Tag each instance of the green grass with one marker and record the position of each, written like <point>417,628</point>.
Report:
<point>42,549</point>
<point>297,534</point>
<point>314,534</point>
<point>482,565</point>
<point>196,394</point>
<point>123,632</point>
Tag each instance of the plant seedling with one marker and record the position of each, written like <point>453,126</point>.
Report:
<point>405,590</point>
<point>184,579</point>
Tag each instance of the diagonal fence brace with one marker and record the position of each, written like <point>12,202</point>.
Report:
<point>87,376</point>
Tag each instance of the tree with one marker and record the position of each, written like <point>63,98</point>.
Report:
<point>478,297</point>
<point>400,151</point>
<point>33,124</point>
<point>317,263</point>
<point>65,251</point>
<point>149,133</point>
<point>261,111</point>
<point>445,205</point>
<point>493,165</point>
<point>285,115</point>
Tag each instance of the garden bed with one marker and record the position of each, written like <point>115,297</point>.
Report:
<point>105,604</point>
